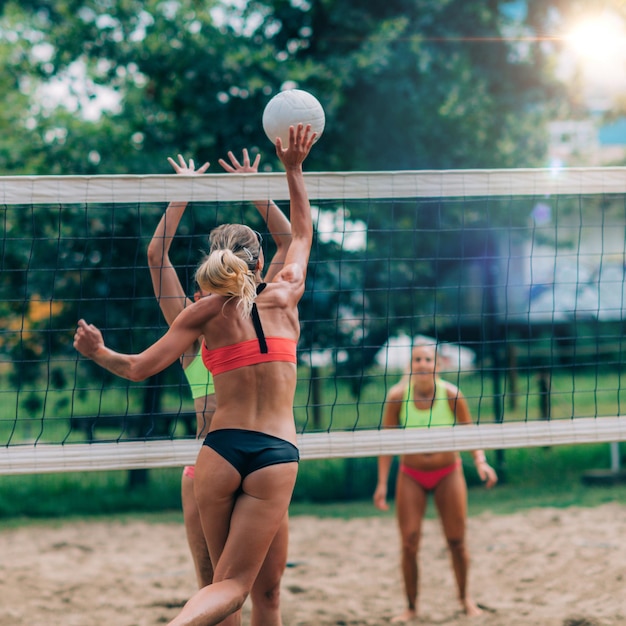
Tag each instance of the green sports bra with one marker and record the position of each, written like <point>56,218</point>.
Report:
<point>440,414</point>
<point>199,378</point>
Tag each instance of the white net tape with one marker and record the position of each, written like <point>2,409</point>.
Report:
<point>322,185</point>
<point>44,458</point>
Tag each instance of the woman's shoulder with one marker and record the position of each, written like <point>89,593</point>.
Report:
<point>290,276</point>
<point>397,392</point>
<point>278,292</point>
<point>201,309</point>
<point>209,301</point>
<point>452,391</point>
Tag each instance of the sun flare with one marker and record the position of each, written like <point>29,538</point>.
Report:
<point>598,39</point>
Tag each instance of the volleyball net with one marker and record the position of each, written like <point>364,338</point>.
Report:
<point>517,275</point>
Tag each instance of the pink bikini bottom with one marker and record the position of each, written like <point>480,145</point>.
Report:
<point>429,479</point>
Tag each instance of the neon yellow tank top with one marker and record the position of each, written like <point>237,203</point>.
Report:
<point>199,378</point>
<point>440,414</point>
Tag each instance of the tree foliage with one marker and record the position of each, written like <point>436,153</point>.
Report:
<point>406,84</point>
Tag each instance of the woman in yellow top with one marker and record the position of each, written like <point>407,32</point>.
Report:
<point>172,301</point>
<point>423,399</point>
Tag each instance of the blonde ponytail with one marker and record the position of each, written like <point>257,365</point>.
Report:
<point>229,269</point>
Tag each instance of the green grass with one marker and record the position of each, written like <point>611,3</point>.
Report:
<point>531,477</point>
<point>43,415</point>
<point>503,500</point>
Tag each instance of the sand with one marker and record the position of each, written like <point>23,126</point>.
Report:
<point>541,567</point>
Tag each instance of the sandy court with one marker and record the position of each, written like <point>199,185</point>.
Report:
<point>542,567</point>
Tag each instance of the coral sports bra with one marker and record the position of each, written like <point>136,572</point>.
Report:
<point>251,352</point>
<point>231,357</point>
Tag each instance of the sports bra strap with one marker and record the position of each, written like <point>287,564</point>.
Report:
<point>256,320</point>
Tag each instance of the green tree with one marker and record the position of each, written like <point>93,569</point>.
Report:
<point>416,84</point>
<point>406,84</point>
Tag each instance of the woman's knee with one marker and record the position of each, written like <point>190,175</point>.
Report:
<point>239,587</point>
<point>410,542</point>
<point>266,588</point>
<point>239,593</point>
<point>267,596</point>
<point>457,545</point>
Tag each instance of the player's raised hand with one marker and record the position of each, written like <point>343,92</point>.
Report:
<point>301,139</point>
<point>182,167</point>
<point>243,168</point>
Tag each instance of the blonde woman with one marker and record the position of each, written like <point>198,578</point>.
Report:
<point>246,469</point>
<point>172,300</point>
<point>423,399</point>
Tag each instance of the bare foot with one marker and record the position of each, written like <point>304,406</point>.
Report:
<point>408,616</point>
<point>470,608</point>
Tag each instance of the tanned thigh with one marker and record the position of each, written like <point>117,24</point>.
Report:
<point>216,485</point>
<point>451,502</point>
<point>258,512</point>
<point>276,560</point>
<point>411,502</point>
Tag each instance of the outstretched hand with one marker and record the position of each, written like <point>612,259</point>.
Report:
<point>300,141</point>
<point>182,167</point>
<point>235,167</point>
<point>87,339</point>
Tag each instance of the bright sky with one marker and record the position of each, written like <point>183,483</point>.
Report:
<point>596,45</point>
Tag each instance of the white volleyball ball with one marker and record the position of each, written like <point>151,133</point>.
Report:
<point>290,108</point>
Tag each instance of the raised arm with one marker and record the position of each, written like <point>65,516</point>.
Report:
<point>276,221</point>
<point>300,141</point>
<point>168,290</point>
